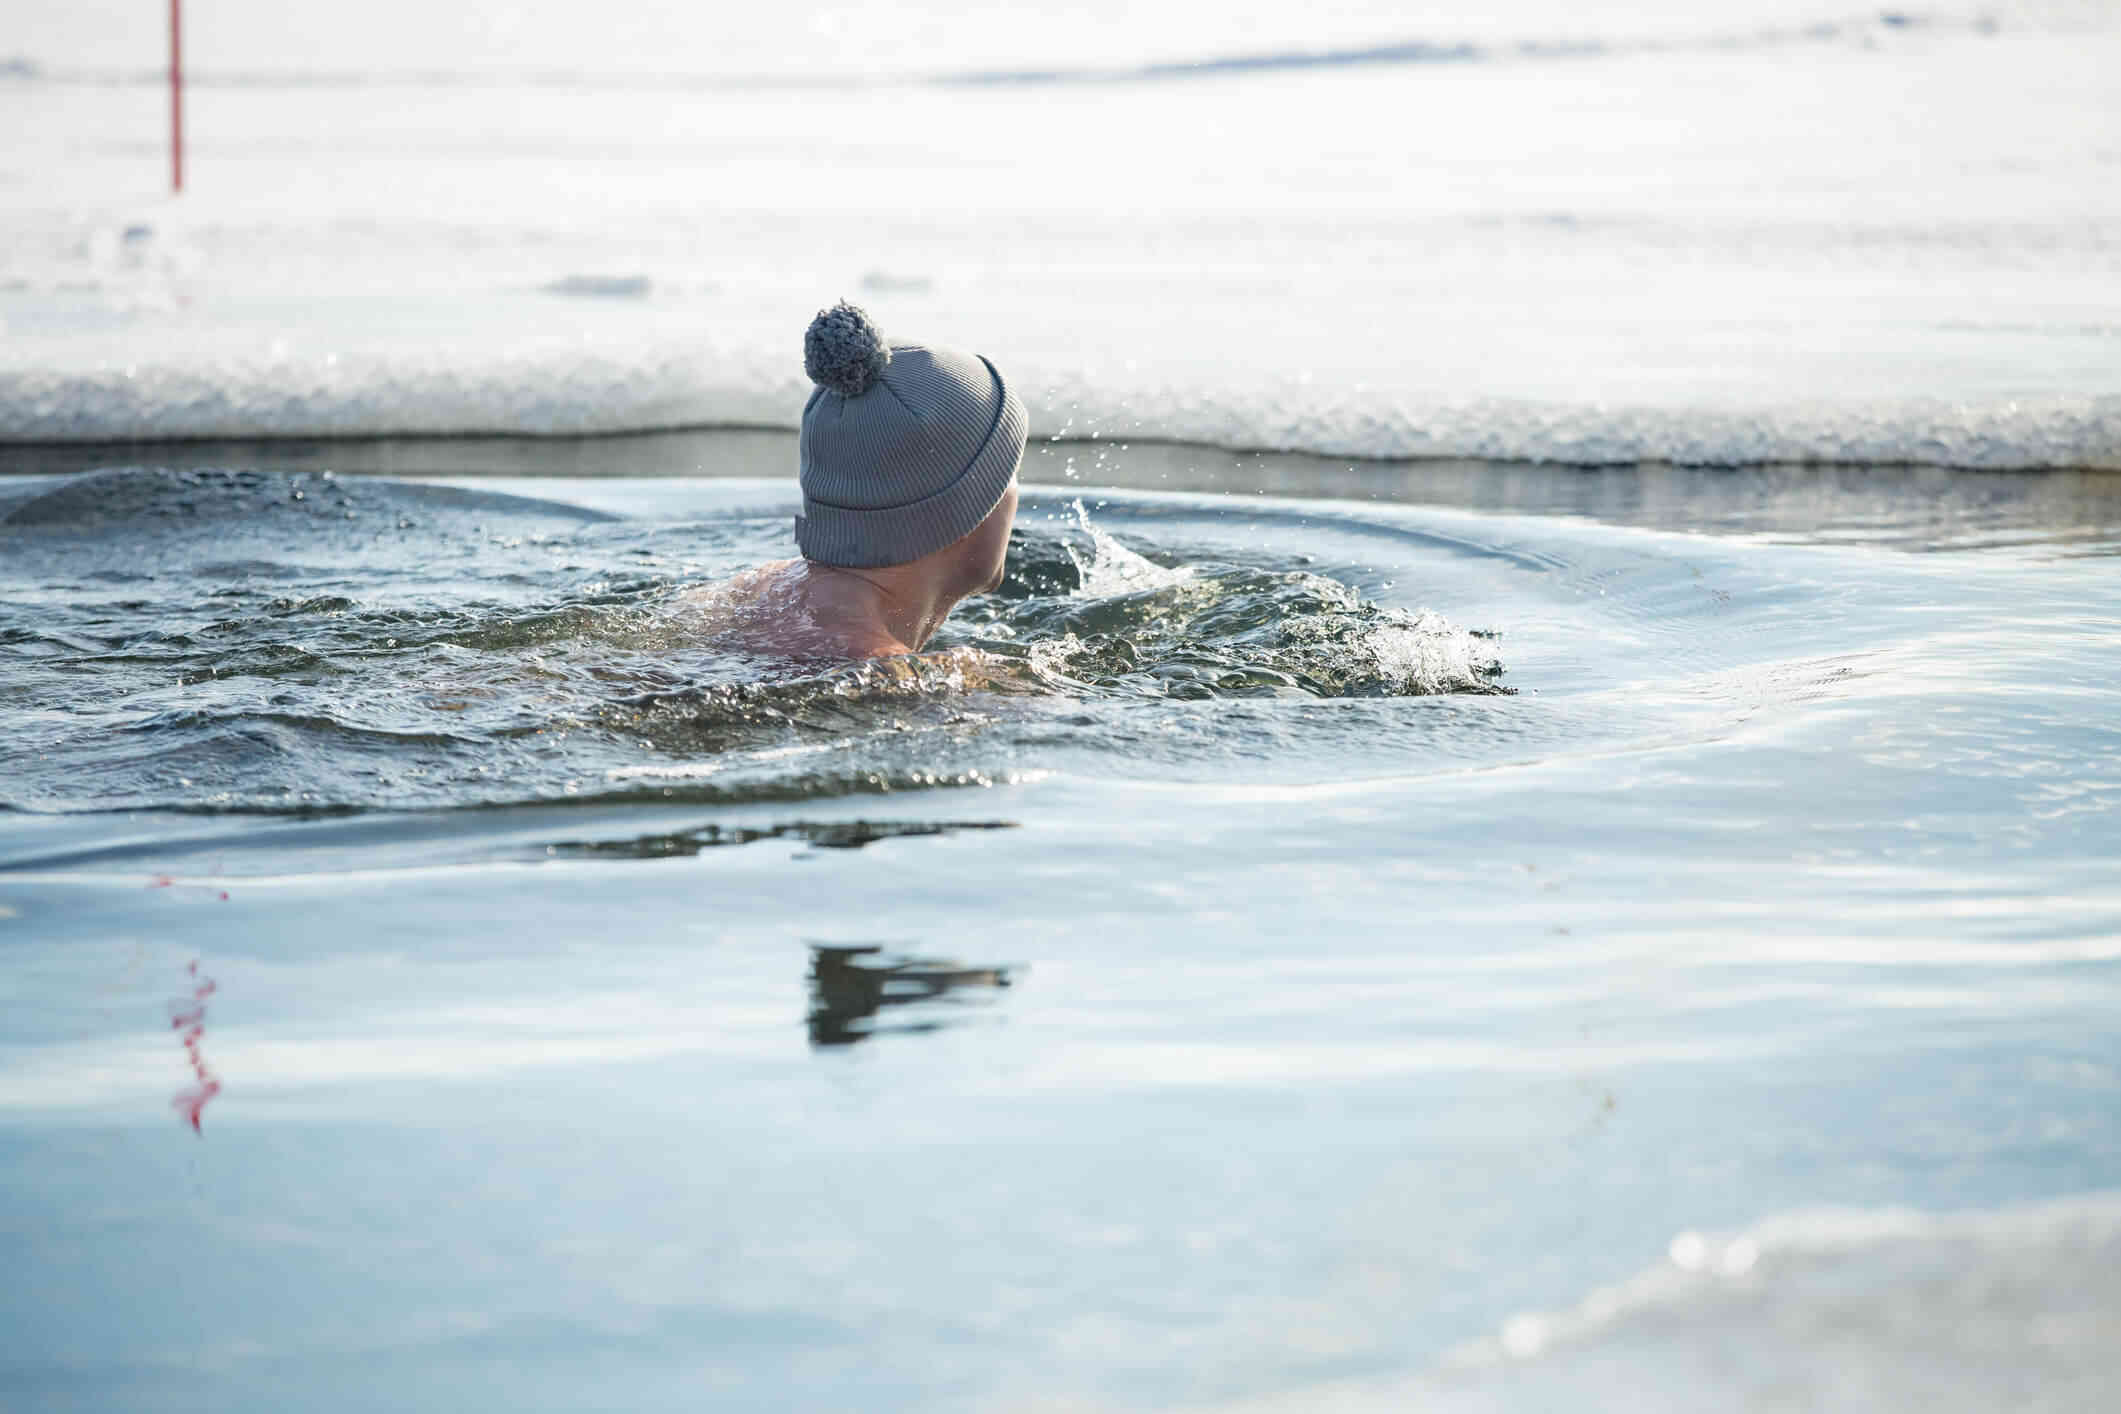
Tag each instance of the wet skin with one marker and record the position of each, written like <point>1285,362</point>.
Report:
<point>801,608</point>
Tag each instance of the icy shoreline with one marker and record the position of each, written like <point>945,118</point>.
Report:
<point>377,399</point>
<point>1654,255</point>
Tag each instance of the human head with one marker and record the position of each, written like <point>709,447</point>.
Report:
<point>979,560</point>
<point>906,450</point>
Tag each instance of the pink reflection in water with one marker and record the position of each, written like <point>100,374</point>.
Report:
<point>188,1015</point>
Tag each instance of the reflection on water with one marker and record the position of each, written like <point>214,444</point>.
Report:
<point>819,834</point>
<point>851,984</point>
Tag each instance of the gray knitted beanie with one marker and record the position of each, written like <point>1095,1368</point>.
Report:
<point>904,449</point>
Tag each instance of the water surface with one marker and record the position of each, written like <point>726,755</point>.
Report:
<point>1203,985</point>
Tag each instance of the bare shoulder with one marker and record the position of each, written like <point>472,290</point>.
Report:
<point>747,586</point>
<point>772,609</point>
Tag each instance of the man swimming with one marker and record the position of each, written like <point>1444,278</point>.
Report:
<point>908,469</point>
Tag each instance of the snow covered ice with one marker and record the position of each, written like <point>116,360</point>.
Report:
<point>1778,232</point>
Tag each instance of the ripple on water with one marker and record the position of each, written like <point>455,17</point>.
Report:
<point>309,643</point>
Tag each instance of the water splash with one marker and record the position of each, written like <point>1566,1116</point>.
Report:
<point>293,644</point>
<point>1125,624</point>
<point>1110,568</point>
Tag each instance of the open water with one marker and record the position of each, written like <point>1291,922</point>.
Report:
<point>1327,951</point>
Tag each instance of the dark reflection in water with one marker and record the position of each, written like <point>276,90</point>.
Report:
<point>851,984</point>
<point>819,834</point>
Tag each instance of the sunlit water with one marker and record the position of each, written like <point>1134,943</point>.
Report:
<point>1277,952</point>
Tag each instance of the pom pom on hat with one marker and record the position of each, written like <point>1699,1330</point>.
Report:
<point>844,351</point>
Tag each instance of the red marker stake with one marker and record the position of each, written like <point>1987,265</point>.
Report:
<point>176,95</point>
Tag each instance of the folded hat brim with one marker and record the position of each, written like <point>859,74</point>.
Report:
<point>855,537</point>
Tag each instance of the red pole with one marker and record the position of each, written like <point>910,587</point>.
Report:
<point>176,95</point>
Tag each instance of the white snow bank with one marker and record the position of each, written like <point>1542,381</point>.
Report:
<point>2016,1308</point>
<point>571,392</point>
<point>1711,255</point>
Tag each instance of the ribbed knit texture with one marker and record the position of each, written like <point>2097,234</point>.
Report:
<point>910,464</point>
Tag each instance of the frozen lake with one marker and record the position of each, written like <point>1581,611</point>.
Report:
<point>1544,834</point>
